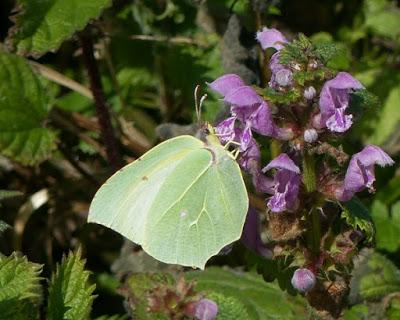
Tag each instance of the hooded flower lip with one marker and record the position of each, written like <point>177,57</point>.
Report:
<point>206,309</point>
<point>271,38</point>
<point>226,83</point>
<point>281,75</point>
<point>303,280</point>
<point>360,173</point>
<point>334,100</point>
<point>286,184</point>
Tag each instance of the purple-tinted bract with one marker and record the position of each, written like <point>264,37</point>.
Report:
<point>303,280</point>
<point>206,309</point>
<point>334,100</point>
<point>286,184</point>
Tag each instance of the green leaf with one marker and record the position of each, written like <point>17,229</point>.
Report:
<point>357,312</point>
<point>70,294</point>
<point>357,215</point>
<point>387,226</point>
<point>20,289</point>
<point>262,300</point>
<point>379,277</point>
<point>382,18</point>
<point>42,25</point>
<point>23,110</point>
<point>228,307</point>
<point>183,201</point>
<point>389,118</point>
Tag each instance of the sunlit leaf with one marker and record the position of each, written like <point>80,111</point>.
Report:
<point>23,110</point>
<point>42,25</point>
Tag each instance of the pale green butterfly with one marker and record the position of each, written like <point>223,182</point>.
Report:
<point>182,201</point>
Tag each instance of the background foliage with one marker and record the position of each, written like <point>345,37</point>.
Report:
<point>151,55</point>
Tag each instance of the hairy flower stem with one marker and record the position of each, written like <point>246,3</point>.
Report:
<point>103,114</point>
<point>309,178</point>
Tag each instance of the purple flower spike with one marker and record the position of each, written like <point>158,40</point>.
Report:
<point>360,173</point>
<point>286,184</point>
<point>271,38</point>
<point>226,83</point>
<point>303,280</point>
<point>206,309</point>
<point>334,100</point>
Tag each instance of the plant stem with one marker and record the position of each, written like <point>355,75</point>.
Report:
<point>315,231</point>
<point>309,177</point>
<point>103,114</point>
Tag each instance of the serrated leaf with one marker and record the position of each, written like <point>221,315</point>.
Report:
<point>280,97</point>
<point>262,300</point>
<point>70,294</point>
<point>387,226</point>
<point>20,289</point>
<point>23,110</point>
<point>377,277</point>
<point>228,307</point>
<point>358,216</point>
<point>42,25</point>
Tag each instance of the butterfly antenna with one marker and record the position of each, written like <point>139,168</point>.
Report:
<point>197,103</point>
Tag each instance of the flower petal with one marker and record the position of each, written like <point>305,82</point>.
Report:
<point>271,38</point>
<point>283,162</point>
<point>243,96</point>
<point>226,83</point>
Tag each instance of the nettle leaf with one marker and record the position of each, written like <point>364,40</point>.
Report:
<point>379,277</point>
<point>262,300</point>
<point>228,307</point>
<point>70,294</point>
<point>183,201</point>
<point>357,215</point>
<point>23,111</point>
<point>387,225</point>
<point>42,25</point>
<point>20,289</point>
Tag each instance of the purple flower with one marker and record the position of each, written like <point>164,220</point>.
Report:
<point>271,38</point>
<point>226,130</point>
<point>281,75</point>
<point>226,83</point>
<point>360,173</point>
<point>303,280</point>
<point>251,234</point>
<point>334,100</point>
<point>286,184</point>
<point>206,309</point>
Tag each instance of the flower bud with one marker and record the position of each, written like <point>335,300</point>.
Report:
<point>206,309</point>
<point>283,77</point>
<point>309,93</point>
<point>303,280</point>
<point>310,135</point>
